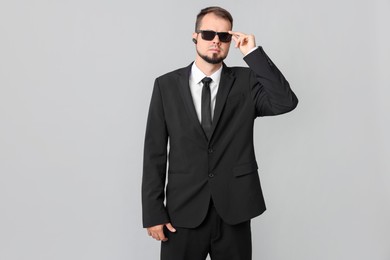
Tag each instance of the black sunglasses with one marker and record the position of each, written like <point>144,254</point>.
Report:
<point>209,35</point>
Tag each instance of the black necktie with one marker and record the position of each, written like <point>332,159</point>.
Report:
<point>206,106</point>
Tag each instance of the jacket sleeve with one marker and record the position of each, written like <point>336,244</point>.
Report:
<point>155,163</point>
<point>271,92</point>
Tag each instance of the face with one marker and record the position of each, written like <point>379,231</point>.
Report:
<point>213,51</point>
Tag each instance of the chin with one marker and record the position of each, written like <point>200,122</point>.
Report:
<point>214,58</point>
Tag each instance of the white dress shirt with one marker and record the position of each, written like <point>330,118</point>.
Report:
<point>196,86</point>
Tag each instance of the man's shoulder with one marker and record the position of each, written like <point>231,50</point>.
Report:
<point>175,73</point>
<point>185,72</point>
<point>237,70</point>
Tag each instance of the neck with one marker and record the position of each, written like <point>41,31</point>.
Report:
<point>207,68</point>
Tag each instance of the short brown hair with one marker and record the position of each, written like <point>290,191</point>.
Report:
<point>218,11</point>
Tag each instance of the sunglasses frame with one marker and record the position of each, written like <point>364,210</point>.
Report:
<point>228,35</point>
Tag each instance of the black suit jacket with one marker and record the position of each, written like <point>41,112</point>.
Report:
<point>223,167</point>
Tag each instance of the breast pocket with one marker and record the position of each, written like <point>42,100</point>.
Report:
<point>244,169</point>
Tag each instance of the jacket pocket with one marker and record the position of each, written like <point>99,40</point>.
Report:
<point>245,169</point>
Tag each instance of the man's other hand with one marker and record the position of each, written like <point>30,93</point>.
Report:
<point>157,232</point>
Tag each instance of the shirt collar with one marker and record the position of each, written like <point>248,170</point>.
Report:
<point>197,75</point>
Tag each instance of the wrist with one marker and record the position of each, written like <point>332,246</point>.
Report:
<point>251,50</point>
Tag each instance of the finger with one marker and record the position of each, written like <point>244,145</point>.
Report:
<point>240,35</point>
<point>236,37</point>
<point>155,236</point>
<point>237,34</point>
<point>237,41</point>
<point>154,231</point>
<point>244,41</point>
<point>161,236</point>
<point>239,38</point>
<point>240,42</point>
<point>170,227</point>
<point>150,231</point>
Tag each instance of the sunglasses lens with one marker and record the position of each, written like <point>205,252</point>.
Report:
<point>208,35</point>
<point>225,37</point>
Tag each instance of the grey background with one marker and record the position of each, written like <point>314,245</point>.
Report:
<point>75,84</point>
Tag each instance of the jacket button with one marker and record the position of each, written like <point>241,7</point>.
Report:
<point>210,150</point>
<point>211,175</point>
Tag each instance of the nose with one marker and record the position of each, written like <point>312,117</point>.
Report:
<point>216,39</point>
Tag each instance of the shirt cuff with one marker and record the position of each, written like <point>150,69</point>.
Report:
<point>255,48</point>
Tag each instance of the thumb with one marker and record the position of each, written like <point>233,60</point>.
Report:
<point>170,228</point>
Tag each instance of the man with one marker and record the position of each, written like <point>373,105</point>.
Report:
<point>206,112</point>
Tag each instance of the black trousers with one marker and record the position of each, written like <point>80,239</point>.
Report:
<point>213,236</point>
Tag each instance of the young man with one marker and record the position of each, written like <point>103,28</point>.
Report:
<point>206,111</point>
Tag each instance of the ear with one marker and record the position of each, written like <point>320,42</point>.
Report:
<point>194,35</point>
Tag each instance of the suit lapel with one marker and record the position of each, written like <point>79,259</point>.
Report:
<point>185,91</point>
<point>225,84</point>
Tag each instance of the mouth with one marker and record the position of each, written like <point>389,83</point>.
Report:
<point>215,50</point>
